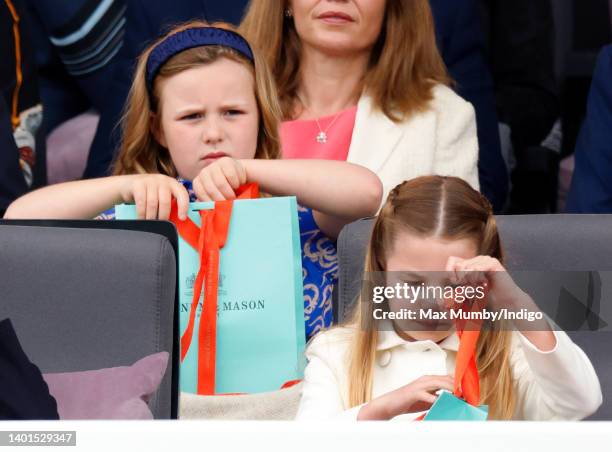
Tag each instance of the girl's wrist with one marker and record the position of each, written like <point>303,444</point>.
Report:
<point>125,187</point>
<point>372,412</point>
<point>248,166</point>
<point>377,410</point>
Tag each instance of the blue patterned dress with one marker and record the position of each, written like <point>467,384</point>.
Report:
<point>319,267</point>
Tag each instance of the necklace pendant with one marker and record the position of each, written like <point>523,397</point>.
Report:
<point>322,138</point>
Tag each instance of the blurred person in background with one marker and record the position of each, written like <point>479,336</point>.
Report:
<point>22,147</point>
<point>583,28</point>
<point>461,42</point>
<point>591,189</point>
<point>76,45</point>
<point>520,51</point>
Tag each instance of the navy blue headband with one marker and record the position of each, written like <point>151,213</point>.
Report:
<point>190,38</point>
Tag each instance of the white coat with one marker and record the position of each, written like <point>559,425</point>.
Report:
<point>441,140</point>
<point>560,384</point>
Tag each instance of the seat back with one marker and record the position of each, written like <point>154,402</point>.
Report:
<point>83,297</point>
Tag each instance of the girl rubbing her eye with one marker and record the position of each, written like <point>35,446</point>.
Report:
<point>375,369</point>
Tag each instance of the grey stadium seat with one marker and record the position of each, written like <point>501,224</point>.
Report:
<point>88,295</point>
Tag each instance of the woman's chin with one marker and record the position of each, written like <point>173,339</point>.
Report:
<point>335,45</point>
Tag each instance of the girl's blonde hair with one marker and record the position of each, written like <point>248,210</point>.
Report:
<point>447,208</point>
<point>141,153</point>
<point>404,65</point>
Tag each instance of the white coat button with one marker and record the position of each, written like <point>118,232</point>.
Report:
<point>385,358</point>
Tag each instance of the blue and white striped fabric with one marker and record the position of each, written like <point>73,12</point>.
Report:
<point>91,36</point>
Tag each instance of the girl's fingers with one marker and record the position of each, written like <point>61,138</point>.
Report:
<point>213,192</point>
<point>495,265</point>
<point>427,397</point>
<point>474,277</point>
<point>165,201</point>
<point>152,201</point>
<point>469,268</point>
<point>471,271</point>
<point>221,181</point>
<point>450,263</point>
<point>483,266</point>
<point>140,199</point>
<point>153,196</point>
<point>487,264</point>
<point>232,175</point>
<point>422,392</point>
<point>198,189</point>
<point>451,268</point>
<point>481,280</point>
<point>422,402</point>
<point>434,383</point>
<point>182,200</point>
<point>461,270</point>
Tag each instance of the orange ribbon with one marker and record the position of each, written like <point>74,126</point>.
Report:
<point>467,381</point>
<point>208,240</point>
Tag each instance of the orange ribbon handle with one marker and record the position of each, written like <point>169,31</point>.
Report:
<point>467,381</point>
<point>467,384</point>
<point>208,240</point>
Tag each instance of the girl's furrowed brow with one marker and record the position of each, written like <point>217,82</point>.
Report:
<point>189,109</point>
<point>239,104</point>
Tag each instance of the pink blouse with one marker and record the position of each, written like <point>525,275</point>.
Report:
<point>299,137</point>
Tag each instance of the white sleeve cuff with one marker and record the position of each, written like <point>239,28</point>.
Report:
<point>350,414</point>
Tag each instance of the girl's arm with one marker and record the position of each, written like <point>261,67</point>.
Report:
<point>338,192</point>
<point>553,377</point>
<point>559,384</point>
<point>85,199</point>
<point>71,200</point>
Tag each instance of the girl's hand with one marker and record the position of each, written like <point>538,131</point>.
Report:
<point>503,293</point>
<point>153,193</point>
<point>220,180</point>
<point>489,272</point>
<point>414,397</point>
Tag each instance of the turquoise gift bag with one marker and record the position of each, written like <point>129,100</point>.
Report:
<point>447,407</point>
<point>260,334</point>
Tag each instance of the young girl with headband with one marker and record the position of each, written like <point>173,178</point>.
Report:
<point>201,120</point>
<point>374,369</point>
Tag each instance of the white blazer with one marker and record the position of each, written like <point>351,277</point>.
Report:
<point>557,385</point>
<point>441,140</point>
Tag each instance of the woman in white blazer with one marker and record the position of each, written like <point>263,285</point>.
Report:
<point>441,140</point>
<point>363,81</point>
<point>440,232</point>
